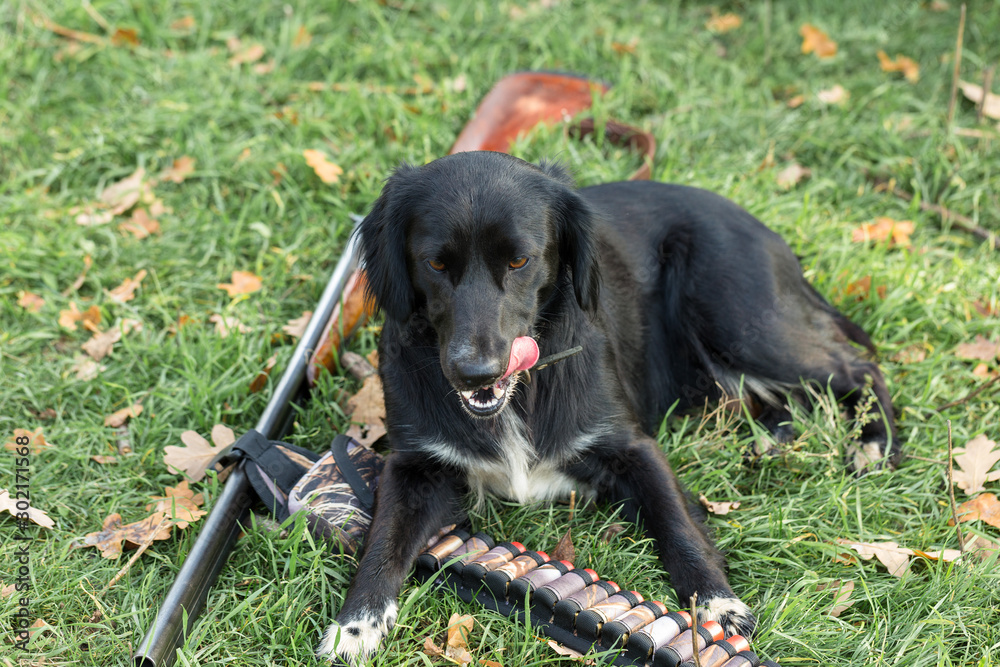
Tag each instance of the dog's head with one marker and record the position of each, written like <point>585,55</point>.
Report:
<point>478,243</point>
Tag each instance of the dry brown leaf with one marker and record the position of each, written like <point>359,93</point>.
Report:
<point>225,325</point>
<point>244,282</point>
<point>295,328</point>
<point>947,555</point>
<point>246,54</point>
<point>621,48</point>
<point>90,318</point>
<point>126,291</point>
<point>36,440</point>
<point>611,532</point>
<point>985,507</point>
<point>91,215</point>
<point>367,410</point>
<point>85,368</point>
<point>459,629</point>
<point>432,649</point>
<point>192,460</point>
<point>816,41</point>
<point>101,344</point>
<point>260,380</point>
<point>890,554</point>
<point>565,650</point>
<point>30,301</point>
<point>979,547</point>
<point>792,175</point>
<point>119,417</point>
<point>184,23</point>
<point>897,232</point>
<point>327,171</point>
<point>180,504</point>
<point>35,515</point>
<point>909,67</point>
<point>721,23</point>
<point>140,225</point>
<point>110,539</point>
<point>564,549</point>
<point>911,354</point>
<point>6,591</point>
<point>125,37</point>
<point>974,462</point>
<point>862,289</point>
<point>489,663</point>
<point>836,95</point>
<point>795,101</point>
<point>302,38</point>
<point>974,93</point>
<point>982,349</point>
<point>719,508</point>
<point>841,596</point>
<point>104,459</point>
<point>124,194</point>
<point>181,169</point>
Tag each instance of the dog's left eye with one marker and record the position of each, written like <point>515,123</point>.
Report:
<point>518,262</point>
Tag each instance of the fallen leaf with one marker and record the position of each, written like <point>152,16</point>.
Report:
<point>247,54</point>
<point>721,23</point>
<point>181,169</point>
<point>890,554</point>
<point>119,417</point>
<point>984,507</point>
<point>296,327</point>
<point>36,440</point>
<point>78,283</point>
<point>911,354</point>
<point>979,547</point>
<point>816,41</point>
<point>267,68</point>
<point>459,629</point>
<point>30,301</point>
<point>244,282</point>
<point>489,663</point>
<point>140,225</point>
<point>622,48</point>
<point>101,344</point>
<point>327,171</point>
<point>985,309</point>
<point>795,101</point>
<point>260,380</point>
<point>841,596</point>
<point>974,462</point>
<point>91,215</point>
<point>180,504</point>
<point>974,93</point>
<point>184,23</point>
<point>126,291</point>
<point>564,549</point>
<point>836,95</point>
<point>982,349</point>
<point>89,318</point>
<point>897,232</point>
<point>367,411</point>
<point>34,515</point>
<point>193,459</point>
<point>862,288</point>
<point>947,555</point>
<point>611,532</point>
<point>225,325</point>
<point>113,535</point>
<point>104,459</point>
<point>124,194</point>
<point>719,508</point>
<point>6,591</point>
<point>792,175</point>
<point>432,649</point>
<point>564,650</point>
<point>85,368</point>
<point>909,67</point>
<point>125,37</point>
<point>302,38</point>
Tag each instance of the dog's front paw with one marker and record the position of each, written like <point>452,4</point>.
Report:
<point>734,616</point>
<point>868,456</point>
<point>349,640</point>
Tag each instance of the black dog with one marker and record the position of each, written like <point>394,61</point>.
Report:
<point>675,294</point>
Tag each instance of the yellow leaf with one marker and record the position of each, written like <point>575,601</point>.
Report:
<point>244,282</point>
<point>181,169</point>
<point>327,171</point>
<point>126,291</point>
<point>30,301</point>
<point>721,23</point>
<point>816,41</point>
<point>119,417</point>
<point>909,67</point>
<point>897,232</point>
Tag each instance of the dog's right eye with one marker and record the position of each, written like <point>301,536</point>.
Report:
<point>436,264</point>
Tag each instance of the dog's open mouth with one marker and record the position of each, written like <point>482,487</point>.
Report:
<point>489,400</point>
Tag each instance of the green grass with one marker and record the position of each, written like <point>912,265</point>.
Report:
<point>70,123</point>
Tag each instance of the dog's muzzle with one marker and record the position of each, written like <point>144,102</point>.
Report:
<point>490,399</point>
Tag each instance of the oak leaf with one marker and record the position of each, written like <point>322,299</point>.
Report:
<point>244,282</point>
<point>816,41</point>
<point>245,54</point>
<point>35,515</point>
<point>126,193</point>
<point>984,507</point>
<point>896,232</point>
<point>193,459</point>
<point>975,93</point>
<point>981,349</point>
<point>30,301</point>
<point>327,171</point>
<point>36,440</point>
<point>126,291</point>
<point>564,549</point>
<point>459,629</point>
<point>225,325</point>
<point>180,504</point>
<point>890,554</point>
<point>841,596</point>
<point>85,368</point>
<point>296,327</point>
<point>719,508</point>
<point>721,23</point>
<point>974,462</point>
<point>119,417</point>
<point>140,225</point>
<point>909,67</point>
<point>181,169</point>
<point>792,175</point>
<point>113,535</point>
<point>367,410</point>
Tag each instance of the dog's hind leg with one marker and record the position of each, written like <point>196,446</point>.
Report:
<point>632,472</point>
<point>413,501</point>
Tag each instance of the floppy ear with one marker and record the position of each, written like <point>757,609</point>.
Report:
<point>577,247</point>
<point>383,247</point>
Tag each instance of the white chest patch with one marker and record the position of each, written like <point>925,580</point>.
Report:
<point>518,474</point>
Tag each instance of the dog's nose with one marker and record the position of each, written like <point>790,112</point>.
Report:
<point>478,373</point>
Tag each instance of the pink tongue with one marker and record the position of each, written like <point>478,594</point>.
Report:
<point>523,355</point>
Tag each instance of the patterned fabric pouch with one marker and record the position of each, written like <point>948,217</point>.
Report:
<point>336,490</point>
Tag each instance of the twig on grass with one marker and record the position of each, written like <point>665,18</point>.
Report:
<point>694,628</point>
<point>955,73</point>
<point>951,494</point>
<point>972,394</point>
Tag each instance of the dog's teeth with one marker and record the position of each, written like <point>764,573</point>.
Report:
<point>467,395</point>
<point>497,392</point>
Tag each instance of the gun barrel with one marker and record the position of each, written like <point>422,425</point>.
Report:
<point>187,595</point>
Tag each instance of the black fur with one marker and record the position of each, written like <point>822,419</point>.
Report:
<point>676,296</point>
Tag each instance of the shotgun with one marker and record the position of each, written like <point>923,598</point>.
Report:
<point>187,595</point>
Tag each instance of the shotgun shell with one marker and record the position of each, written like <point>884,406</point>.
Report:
<point>498,579</point>
<point>473,548</point>
<point>436,555</point>
<point>565,611</point>
<point>683,646</point>
<point>719,653</point>
<point>473,573</point>
<point>642,642</point>
<point>744,659</point>
<point>590,621</point>
<point>545,597</point>
<point>615,633</point>
<point>544,574</point>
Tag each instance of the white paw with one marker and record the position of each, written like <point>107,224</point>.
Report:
<point>734,616</point>
<point>354,640</point>
<point>865,457</point>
